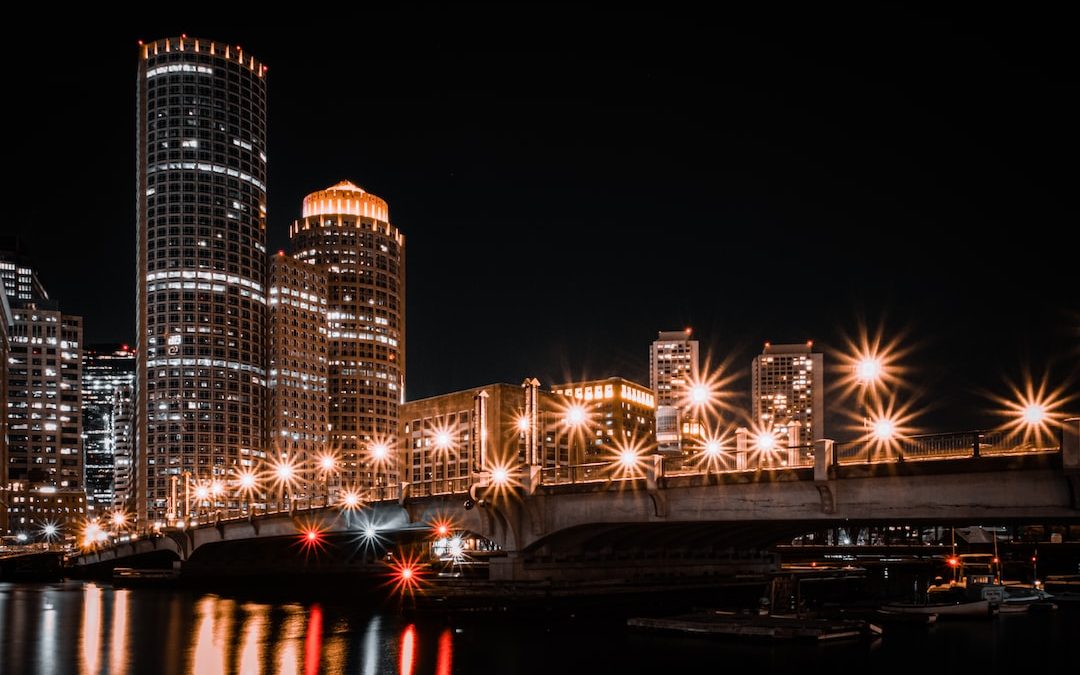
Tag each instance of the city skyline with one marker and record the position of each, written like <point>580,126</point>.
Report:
<point>566,212</point>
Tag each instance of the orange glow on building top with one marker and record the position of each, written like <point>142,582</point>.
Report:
<point>346,198</point>
<point>195,45</point>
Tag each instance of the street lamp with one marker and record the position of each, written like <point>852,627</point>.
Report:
<point>247,482</point>
<point>284,472</point>
<point>575,420</point>
<point>327,464</point>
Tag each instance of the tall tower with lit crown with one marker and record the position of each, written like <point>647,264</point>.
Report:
<point>347,231</point>
<point>201,304</point>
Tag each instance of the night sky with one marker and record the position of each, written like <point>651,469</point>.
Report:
<point>575,180</point>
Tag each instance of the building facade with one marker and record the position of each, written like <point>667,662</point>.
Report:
<point>347,232</point>
<point>201,302</point>
<point>123,419</point>
<point>44,390</point>
<point>108,376</point>
<point>788,393</point>
<point>297,380</point>
<point>444,438</point>
<point>18,276</point>
<point>6,322</point>
<point>33,509</point>
<point>618,414</point>
<point>673,361</point>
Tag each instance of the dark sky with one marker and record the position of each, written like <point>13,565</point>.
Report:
<point>571,181</point>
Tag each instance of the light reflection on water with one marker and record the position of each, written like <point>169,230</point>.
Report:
<point>94,629</point>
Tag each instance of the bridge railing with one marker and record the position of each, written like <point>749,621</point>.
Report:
<point>940,446</point>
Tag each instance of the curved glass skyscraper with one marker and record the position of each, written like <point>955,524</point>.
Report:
<point>346,231</point>
<point>201,143</point>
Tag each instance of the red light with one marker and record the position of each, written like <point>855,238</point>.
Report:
<point>125,348</point>
<point>1033,558</point>
<point>996,561</point>
<point>140,43</point>
<point>953,562</point>
<point>442,530</point>
<point>312,536</point>
<point>406,573</point>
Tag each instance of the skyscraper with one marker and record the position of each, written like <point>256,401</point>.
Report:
<point>788,393</point>
<point>17,274</point>
<point>673,361</point>
<point>297,371</point>
<point>44,397</point>
<point>108,376</point>
<point>347,232</point>
<point>201,305</point>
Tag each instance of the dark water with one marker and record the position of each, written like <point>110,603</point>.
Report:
<point>91,628</point>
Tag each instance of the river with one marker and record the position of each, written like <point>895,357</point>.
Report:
<point>89,628</point>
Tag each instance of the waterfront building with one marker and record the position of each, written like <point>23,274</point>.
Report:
<point>346,231</point>
<point>201,260</point>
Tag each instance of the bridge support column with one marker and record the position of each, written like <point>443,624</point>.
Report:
<point>531,479</point>
<point>826,486</point>
<point>741,445</point>
<point>508,568</point>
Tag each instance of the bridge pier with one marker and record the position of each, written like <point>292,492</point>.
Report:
<point>823,480</point>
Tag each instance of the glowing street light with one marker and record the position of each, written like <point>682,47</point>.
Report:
<point>380,451</point>
<point>202,493</point>
<point>50,530</point>
<point>628,458</point>
<point>284,472</point>
<point>1034,414</point>
<point>118,519</point>
<point>766,441</point>
<point>523,423</point>
<point>868,370</point>
<point>699,395</point>
<point>284,477</point>
<point>884,430</point>
<point>713,448</point>
<point>350,499</point>
<point>500,475</point>
<point>327,462</point>
<point>247,480</point>
<point>575,415</point>
<point>443,439</point>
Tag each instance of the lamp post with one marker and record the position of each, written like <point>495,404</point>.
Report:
<point>327,464</point>
<point>444,442</point>
<point>380,455</point>
<point>247,485</point>
<point>868,373</point>
<point>574,421</point>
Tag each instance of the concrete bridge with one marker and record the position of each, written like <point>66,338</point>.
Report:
<point>650,520</point>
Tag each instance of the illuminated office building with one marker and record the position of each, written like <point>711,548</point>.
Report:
<point>44,391</point>
<point>788,392</point>
<point>108,376</point>
<point>298,370</point>
<point>673,360</point>
<point>201,303</point>
<point>346,231</point>
<point>443,438</point>
<point>617,413</point>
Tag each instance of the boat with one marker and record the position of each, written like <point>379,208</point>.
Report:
<point>945,610</point>
<point>890,617</point>
<point>134,577</point>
